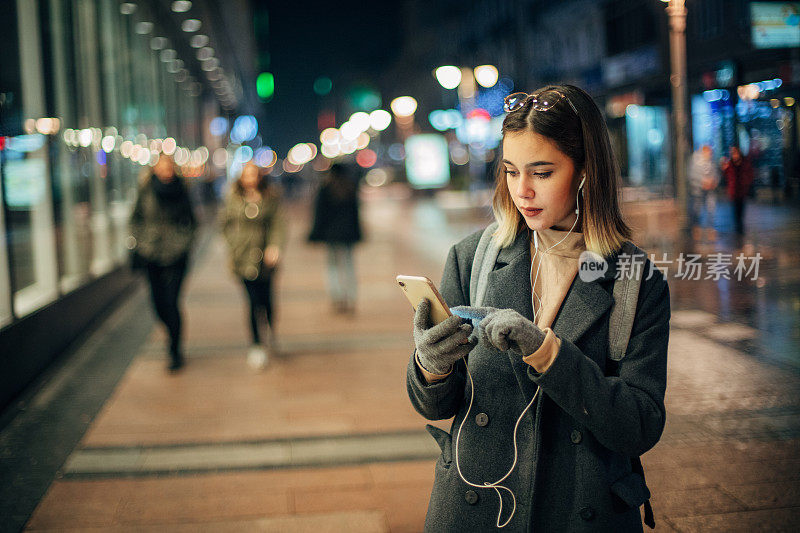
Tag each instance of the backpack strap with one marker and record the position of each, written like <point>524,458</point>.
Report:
<point>620,325</point>
<point>482,264</point>
<point>626,295</point>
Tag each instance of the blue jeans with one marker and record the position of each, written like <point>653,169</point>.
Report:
<point>705,201</point>
<point>341,273</point>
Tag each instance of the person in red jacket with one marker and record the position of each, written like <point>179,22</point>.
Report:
<point>739,176</point>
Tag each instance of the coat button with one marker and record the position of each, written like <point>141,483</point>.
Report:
<point>587,513</point>
<point>471,496</point>
<point>482,419</point>
<point>575,436</point>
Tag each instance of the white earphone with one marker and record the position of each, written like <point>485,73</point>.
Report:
<point>577,204</point>
<point>496,484</point>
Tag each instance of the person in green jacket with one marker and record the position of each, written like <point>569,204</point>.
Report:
<point>255,230</point>
<point>162,228</point>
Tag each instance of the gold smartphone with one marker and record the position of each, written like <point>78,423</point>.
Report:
<point>417,288</point>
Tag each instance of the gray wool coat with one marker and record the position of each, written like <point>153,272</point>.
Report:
<point>576,442</point>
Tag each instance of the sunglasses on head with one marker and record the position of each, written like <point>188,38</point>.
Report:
<point>541,101</point>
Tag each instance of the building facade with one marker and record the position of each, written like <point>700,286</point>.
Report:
<point>91,91</point>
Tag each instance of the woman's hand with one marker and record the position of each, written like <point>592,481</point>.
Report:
<point>271,256</point>
<point>439,346</point>
<point>505,329</point>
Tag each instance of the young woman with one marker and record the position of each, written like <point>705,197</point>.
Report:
<point>336,223</point>
<point>547,429</point>
<point>254,228</point>
<point>163,226</point>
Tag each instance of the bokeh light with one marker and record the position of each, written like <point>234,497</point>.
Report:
<point>486,75</point>
<point>448,76</point>
<point>380,119</point>
<point>404,106</point>
<point>329,136</point>
<point>366,158</point>
<point>323,85</point>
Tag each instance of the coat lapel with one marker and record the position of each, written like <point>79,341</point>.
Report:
<point>510,288</point>
<point>510,281</point>
<point>585,303</point>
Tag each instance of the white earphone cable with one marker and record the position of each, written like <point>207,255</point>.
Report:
<point>496,484</point>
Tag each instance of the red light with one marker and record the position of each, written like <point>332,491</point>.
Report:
<point>366,158</point>
<point>479,113</point>
<point>2,143</point>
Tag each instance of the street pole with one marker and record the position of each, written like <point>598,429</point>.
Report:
<point>677,49</point>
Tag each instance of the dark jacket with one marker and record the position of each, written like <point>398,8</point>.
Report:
<point>576,442</point>
<point>336,217</point>
<point>739,177</point>
<point>162,223</point>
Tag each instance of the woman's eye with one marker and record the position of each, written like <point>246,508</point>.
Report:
<point>511,173</point>
<point>542,175</point>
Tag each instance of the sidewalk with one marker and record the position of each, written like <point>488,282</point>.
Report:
<point>325,438</point>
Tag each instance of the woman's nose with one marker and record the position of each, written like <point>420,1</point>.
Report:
<point>524,189</point>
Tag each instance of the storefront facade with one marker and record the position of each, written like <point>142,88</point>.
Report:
<point>88,92</point>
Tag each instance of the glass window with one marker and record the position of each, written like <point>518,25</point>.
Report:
<point>5,281</point>
<point>27,195</point>
<point>91,116</point>
<point>113,167</point>
<point>70,182</point>
<point>648,145</point>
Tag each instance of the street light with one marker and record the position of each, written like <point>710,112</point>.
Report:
<point>448,76</point>
<point>404,106</point>
<point>486,75</point>
<point>677,51</point>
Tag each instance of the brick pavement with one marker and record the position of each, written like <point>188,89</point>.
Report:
<point>221,448</point>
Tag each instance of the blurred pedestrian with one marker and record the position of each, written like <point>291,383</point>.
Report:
<point>550,416</point>
<point>739,177</point>
<point>255,230</point>
<point>163,228</point>
<point>703,181</point>
<point>336,223</point>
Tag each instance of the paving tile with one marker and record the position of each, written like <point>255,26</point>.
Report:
<point>76,505</point>
<point>759,472</point>
<point>772,521</point>
<point>773,495</point>
<point>361,521</point>
<point>690,318</point>
<point>692,502</point>
<point>364,449</point>
<point>731,332</point>
<point>324,500</point>
<point>402,473</point>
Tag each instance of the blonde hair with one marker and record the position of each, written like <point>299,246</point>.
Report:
<point>583,137</point>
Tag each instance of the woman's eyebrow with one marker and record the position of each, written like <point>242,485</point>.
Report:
<point>531,164</point>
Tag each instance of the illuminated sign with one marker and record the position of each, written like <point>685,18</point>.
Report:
<point>775,24</point>
<point>427,161</point>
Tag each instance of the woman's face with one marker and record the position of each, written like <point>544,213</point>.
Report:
<point>541,180</point>
<point>249,179</point>
<point>164,169</point>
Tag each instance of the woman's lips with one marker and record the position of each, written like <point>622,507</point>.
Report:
<point>532,212</point>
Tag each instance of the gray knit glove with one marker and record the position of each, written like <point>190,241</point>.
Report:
<point>439,346</point>
<point>505,329</point>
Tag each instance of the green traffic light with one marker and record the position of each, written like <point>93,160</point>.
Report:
<point>265,85</point>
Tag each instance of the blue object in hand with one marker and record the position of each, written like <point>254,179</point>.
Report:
<point>475,314</point>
